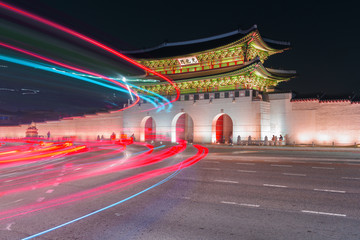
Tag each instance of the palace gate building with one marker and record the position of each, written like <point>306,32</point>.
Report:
<point>227,93</point>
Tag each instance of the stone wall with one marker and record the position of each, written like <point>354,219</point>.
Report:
<point>84,128</point>
<point>300,122</point>
<point>325,123</point>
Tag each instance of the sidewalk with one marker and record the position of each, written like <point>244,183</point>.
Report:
<point>286,148</point>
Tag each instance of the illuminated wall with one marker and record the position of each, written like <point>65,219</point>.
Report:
<point>85,128</point>
<point>325,123</point>
<point>300,122</point>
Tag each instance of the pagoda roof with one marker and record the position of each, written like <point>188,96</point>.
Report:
<point>172,49</point>
<point>255,66</point>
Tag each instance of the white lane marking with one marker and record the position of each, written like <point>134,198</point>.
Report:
<point>217,169</point>
<point>330,168</point>
<point>353,164</point>
<point>40,199</point>
<point>56,184</point>
<point>8,227</point>
<point>245,163</point>
<point>9,174</point>
<point>50,191</point>
<point>78,168</point>
<point>329,190</point>
<point>233,203</point>
<point>185,197</point>
<point>9,203</point>
<point>324,213</point>
<point>266,160</point>
<point>249,205</point>
<point>8,180</point>
<point>239,152</point>
<point>241,204</point>
<point>279,165</point>
<point>272,185</point>
<point>351,178</point>
<point>295,174</point>
<point>225,181</point>
<point>246,171</point>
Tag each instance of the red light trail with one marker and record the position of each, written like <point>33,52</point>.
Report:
<point>96,169</point>
<point>32,165</point>
<point>92,41</point>
<point>73,68</point>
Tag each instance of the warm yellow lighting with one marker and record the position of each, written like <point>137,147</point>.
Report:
<point>322,137</point>
<point>304,137</point>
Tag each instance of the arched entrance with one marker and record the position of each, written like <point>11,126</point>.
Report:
<point>222,129</point>
<point>148,129</point>
<point>182,128</point>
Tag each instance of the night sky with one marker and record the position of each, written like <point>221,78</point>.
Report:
<point>324,37</point>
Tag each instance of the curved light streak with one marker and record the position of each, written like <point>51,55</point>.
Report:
<point>89,40</point>
<point>202,152</point>
<point>65,73</point>
<point>104,208</point>
<point>168,103</point>
<point>72,68</point>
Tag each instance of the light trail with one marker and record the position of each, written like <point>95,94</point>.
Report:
<point>72,68</point>
<point>72,75</point>
<point>52,172</point>
<point>89,40</point>
<point>49,156</point>
<point>135,162</point>
<point>102,209</point>
<point>202,152</point>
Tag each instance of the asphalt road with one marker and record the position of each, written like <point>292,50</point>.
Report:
<point>234,193</point>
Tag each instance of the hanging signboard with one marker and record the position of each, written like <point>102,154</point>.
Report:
<point>187,61</point>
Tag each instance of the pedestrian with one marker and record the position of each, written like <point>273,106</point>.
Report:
<point>249,140</point>
<point>48,135</point>
<point>113,136</point>
<point>133,137</point>
<point>266,142</point>
<point>238,140</point>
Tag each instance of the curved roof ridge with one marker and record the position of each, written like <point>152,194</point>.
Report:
<point>165,44</point>
<point>281,70</point>
<point>276,41</point>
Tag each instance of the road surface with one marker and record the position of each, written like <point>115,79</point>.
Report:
<point>233,193</point>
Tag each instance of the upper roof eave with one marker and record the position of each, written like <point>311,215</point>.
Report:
<point>183,48</point>
<point>252,66</point>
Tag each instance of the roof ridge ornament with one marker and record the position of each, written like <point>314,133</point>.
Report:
<point>188,42</point>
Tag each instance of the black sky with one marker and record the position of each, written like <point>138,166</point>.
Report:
<point>323,36</point>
